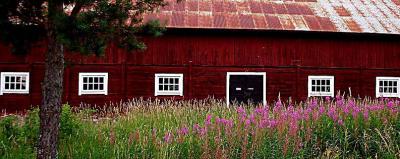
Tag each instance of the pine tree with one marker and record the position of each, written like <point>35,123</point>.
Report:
<point>84,26</point>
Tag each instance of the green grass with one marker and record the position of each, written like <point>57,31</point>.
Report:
<point>139,128</point>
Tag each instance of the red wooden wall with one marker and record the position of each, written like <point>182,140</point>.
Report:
<point>204,57</point>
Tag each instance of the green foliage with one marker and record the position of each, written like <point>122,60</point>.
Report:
<point>137,130</point>
<point>18,136</point>
<point>85,26</point>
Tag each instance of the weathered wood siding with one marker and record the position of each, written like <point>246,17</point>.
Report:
<point>204,58</point>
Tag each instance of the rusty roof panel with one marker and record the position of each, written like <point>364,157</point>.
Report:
<point>286,22</point>
<point>246,21</point>
<point>267,8</point>
<point>180,6</point>
<point>205,6</point>
<point>255,7</point>
<point>273,22</point>
<point>230,6</point>
<point>259,21</point>
<point>219,20</point>
<point>192,19</point>
<point>312,22</point>
<point>376,16</point>
<point>218,6</point>
<point>205,21</point>
<point>279,8</point>
<point>233,21</point>
<point>193,5</point>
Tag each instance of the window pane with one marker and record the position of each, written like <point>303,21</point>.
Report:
<point>394,90</point>
<point>12,86</point>
<point>385,89</point>
<point>176,87</point>
<point>171,80</point>
<point>385,83</point>
<point>171,87</point>
<point>7,79</point>
<point>12,79</point>
<point>323,89</point>
<point>7,86</point>
<point>313,88</point>
<point>101,86</point>
<point>96,87</point>
<point>166,80</point>
<point>328,82</point>
<point>176,80</point>
<point>90,86</point>
<point>24,79</point>
<point>323,82</point>
<point>380,83</point>
<point>23,86</point>
<point>318,82</point>
<point>85,79</point>
<point>18,79</point>
<point>96,80</point>
<point>90,79</point>
<point>17,86</point>
<point>381,89</point>
<point>160,80</point>
<point>318,89</point>
<point>390,89</point>
<point>394,83</point>
<point>313,82</point>
<point>85,87</point>
<point>160,87</point>
<point>390,83</point>
<point>328,89</point>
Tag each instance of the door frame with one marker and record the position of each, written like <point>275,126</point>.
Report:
<point>263,74</point>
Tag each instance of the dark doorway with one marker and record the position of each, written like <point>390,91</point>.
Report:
<point>246,88</point>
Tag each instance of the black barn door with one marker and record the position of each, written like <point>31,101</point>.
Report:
<point>246,88</point>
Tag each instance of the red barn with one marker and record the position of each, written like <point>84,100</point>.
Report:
<point>232,49</point>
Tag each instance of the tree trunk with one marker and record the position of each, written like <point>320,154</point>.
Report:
<point>52,87</point>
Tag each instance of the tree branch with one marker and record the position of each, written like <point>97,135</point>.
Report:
<point>77,9</point>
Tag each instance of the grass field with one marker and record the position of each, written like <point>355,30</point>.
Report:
<point>316,128</point>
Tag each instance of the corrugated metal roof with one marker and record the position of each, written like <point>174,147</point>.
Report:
<point>359,16</point>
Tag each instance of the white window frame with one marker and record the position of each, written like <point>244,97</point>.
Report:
<point>331,93</point>
<point>92,74</point>
<point>157,92</point>
<point>378,94</point>
<point>263,74</point>
<point>3,79</point>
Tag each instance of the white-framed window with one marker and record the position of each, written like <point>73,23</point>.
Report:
<point>168,84</point>
<point>93,83</point>
<point>14,83</point>
<point>321,86</point>
<point>387,86</point>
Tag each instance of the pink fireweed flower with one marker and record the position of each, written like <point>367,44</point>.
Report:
<point>340,122</point>
<point>272,123</point>
<point>328,99</point>
<point>247,123</point>
<point>356,111</point>
<point>313,104</point>
<point>208,119</point>
<point>390,104</point>
<point>168,137</point>
<point>184,131</point>
<point>321,110</point>
<point>332,113</point>
<point>241,110</point>
<point>196,128</point>
<point>365,114</point>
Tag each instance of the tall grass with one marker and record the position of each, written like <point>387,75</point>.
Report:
<point>316,128</point>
